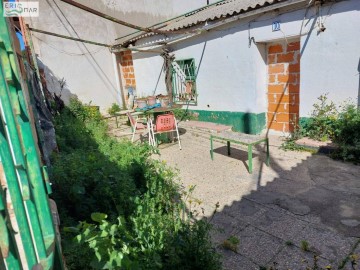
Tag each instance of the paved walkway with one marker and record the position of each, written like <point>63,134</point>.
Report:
<point>300,197</point>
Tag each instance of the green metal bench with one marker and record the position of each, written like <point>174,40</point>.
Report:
<point>243,139</point>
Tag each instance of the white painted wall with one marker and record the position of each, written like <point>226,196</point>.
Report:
<point>149,74</point>
<point>227,76</point>
<point>89,70</point>
<point>331,61</point>
<point>233,76</point>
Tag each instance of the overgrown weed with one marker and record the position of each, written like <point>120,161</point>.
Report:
<point>125,209</point>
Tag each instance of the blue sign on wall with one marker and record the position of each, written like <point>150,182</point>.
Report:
<point>276,26</point>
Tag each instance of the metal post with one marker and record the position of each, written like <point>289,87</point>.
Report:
<point>228,147</point>
<point>211,148</point>
<point>250,157</point>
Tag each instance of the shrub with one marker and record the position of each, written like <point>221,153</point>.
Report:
<point>142,225</point>
<point>348,134</point>
<point>323,121</point>
<point>113,109</point>
<point>184,114</point>
<point>328,122</point>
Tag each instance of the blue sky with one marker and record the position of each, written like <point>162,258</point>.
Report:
<point>19,36</point>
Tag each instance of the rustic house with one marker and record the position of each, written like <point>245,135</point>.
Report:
<point>252,64</point>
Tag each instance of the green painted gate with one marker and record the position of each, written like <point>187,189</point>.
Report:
<point>27,234</point>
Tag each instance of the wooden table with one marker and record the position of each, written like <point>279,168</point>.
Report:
<point>160,110</point>
<point>240,138</point>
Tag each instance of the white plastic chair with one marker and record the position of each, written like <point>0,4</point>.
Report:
<point>138,124</point>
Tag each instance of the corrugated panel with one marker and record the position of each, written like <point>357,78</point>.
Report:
<point>220,10</point>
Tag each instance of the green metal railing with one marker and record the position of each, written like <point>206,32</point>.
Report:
<point>27,234</point>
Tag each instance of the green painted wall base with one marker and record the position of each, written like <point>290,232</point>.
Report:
<point>250,123</point>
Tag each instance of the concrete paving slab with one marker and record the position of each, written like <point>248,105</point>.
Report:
<point>327,244</point>
<point>247,211</point>
<point>334,208</point>
<point>288,188</point>
<point>299,197</point>
<point>280,224</point>
<point>353,262</point>
<point>235,261</point>
<point>224,227</point>
<point>257,245</point>
<point>291,257</point>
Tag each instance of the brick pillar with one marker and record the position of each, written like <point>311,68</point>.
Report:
<point>283,86</point>
<point>127,71</point>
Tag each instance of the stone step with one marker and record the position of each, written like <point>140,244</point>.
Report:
<point>326,147</point>
<point>205,126</point>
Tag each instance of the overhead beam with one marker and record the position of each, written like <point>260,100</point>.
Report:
<point>67,37</point>
<point>115,48</point>
<point>120,49</point>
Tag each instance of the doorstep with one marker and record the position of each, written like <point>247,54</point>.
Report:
<point>205,126</point>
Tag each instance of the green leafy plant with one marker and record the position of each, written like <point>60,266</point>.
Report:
<point>314,265</point>
<point>108,241</point>
<point>340,124</point>
<point>304,245</point>
<point>354,259</point>
<point>289,243</point>
<point>322,124</point>
<point>290,141</point>
<point>184,114</point>
<point>125,209</point>
<point>114,109</point>
<point>231,243</point>
<point>348,134</point>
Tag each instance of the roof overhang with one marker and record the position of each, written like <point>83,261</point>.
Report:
<point>205,26</point>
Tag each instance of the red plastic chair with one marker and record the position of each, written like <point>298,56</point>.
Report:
<point>165,123</point>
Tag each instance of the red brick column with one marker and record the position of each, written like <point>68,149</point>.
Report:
<point>283,86</point>
<point>127,70</point>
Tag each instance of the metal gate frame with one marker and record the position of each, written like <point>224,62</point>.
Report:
<point>27,234</point>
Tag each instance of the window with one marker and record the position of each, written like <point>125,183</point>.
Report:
<point>184,81</point>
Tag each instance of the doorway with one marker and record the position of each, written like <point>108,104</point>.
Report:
<point>283,64</point>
